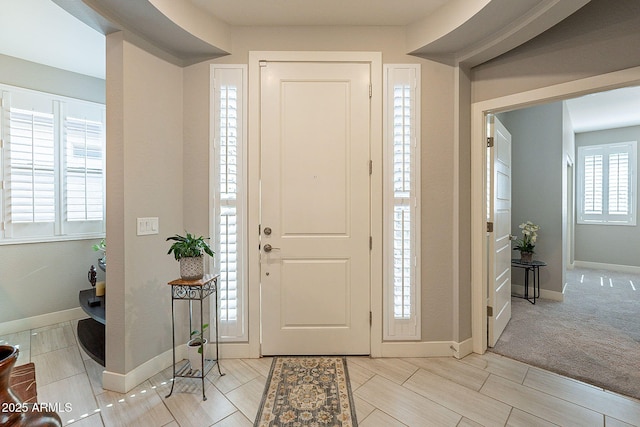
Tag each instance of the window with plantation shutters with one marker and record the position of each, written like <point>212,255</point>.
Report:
<point>229,206</point>
<point>84,166</point>
<point>402,204</point>
<point>607,184</point>
<point>31,161</point>
<point>52,167</point>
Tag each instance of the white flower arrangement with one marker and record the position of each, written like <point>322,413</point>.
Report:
<point>529,237</point>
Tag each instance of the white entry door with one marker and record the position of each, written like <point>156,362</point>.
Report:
<point>500,239</point>
<point>315,208</point>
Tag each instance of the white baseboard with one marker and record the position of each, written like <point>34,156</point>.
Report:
<point>122,383</point>
<point>463,348</point>
<point>544,293</point>
<point>422,349</point>
<point>41,320</point>
<point>611,267</point>
<point>229,350</point>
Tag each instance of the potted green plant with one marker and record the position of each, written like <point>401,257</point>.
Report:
<point>102,247</point>
<point>528,241</point>
<point>195,348</point>
<point>189,250</point>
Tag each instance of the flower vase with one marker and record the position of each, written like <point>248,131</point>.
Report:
<point>526,256</point>
<point>14,411</point>
<point>8,358</point>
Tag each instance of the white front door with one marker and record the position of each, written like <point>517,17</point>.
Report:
<point>500,239</point>
<point>315,207</point>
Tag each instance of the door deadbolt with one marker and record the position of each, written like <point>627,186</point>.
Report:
<point>267,231</point>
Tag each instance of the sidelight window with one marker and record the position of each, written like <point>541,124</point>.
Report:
<point>229,206</point>
<point>402,202</point>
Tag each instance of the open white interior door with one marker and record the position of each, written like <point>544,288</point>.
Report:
<point>499,298</point>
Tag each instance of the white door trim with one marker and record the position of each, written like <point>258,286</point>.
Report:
<point>253,194</point>
<point>614,80</point>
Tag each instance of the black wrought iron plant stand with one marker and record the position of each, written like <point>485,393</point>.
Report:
<point>196,290</point>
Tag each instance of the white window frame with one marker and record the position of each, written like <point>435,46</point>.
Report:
<point>58,228</point>
<point>406,327</point>
<point>605,217</point>
<point>222,75</point>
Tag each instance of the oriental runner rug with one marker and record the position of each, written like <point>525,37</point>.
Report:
<point>307,391</point>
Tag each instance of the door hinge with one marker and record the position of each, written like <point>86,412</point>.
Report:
<point>489,311</point>
<point>489,227</point>
<point>489,141</point>
<point>370,242</point>
<point>259,229</point>
<point>370,167</point>
<point>370,318</point>
<point>370,91</point>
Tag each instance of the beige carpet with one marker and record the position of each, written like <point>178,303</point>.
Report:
<point>307,391</point>
<point>593,336</point>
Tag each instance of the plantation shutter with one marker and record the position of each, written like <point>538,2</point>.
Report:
<point>606,183</point>
<point>84,167</point>
<point>30,165</point>
<point>618,197</point>
<point>593,184</point>
<point>402,290</point>
<point>229,84</point>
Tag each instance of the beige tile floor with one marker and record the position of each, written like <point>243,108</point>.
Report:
<point>479,390</point>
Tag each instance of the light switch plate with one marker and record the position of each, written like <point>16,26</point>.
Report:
<point>148,225</point>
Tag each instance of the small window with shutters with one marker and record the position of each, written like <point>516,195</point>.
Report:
<point>607,184</point>
<point>52,167</point>
<point>228,182</point>
<point>401,202</point>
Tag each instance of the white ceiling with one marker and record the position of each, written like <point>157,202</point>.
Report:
<point>325,12</point>
<point>40,31</point>
<point>605,110</point>
<point>51,36</point>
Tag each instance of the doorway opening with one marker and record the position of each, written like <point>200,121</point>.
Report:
<point>479,161</point>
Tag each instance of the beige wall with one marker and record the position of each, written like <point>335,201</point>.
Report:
<point>437,144</point>
<point>537,158</point>
<point>601,37</point>
<point>144,170</point>
<point>41,278</point>
<point>462,155</point>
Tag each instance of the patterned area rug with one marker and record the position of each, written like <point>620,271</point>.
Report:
<point>307,391</point>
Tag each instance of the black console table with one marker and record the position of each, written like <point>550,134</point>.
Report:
<point>533,266</point>
<point>91,331</point>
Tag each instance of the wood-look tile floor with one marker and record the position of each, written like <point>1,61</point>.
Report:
<point>479,390</point>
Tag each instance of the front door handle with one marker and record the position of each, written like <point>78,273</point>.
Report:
<point>269,248</point>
